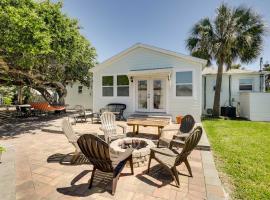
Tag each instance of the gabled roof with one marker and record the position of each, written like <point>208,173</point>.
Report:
<point>153,48</point>
<point>213,70</point>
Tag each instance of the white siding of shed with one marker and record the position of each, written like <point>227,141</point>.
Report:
<point>224,96</point>
<point>74,98</point>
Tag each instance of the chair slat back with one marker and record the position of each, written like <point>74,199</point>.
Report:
<point>108,124</point>
<point>69,133</point>
<point>187,124</point>
<point>190,143</point>
<point>97,151</point>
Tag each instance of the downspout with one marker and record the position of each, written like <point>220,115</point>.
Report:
<point>204,95</point>
<point>261,82</point>
<point>230,91</point>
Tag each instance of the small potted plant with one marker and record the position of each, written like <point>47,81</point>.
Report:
<point>2,149</point>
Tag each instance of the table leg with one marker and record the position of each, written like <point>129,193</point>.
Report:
<point>133,133</point>
<point>137,132</point>
<point>159,134</point>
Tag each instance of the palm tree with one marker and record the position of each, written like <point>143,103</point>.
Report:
<point>234,34</point>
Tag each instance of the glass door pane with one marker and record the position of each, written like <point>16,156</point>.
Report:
<point>142,95</point>
<point>158,95</point>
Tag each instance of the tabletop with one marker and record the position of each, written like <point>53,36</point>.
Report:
<point>148,121</point>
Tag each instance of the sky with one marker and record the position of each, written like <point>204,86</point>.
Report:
<point>114,25</point>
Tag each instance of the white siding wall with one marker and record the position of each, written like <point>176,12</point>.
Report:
<point>141,58</point>
<point>255,106</point>
<point>224,96</point>
<point>75,98</point>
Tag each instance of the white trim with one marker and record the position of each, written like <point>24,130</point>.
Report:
<point>174,83</point>
<point>150,47</point>
<point>150,90</point>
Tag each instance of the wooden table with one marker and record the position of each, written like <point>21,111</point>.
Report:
<point>160,123</point>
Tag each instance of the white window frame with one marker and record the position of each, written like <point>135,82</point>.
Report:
<point>252,84</point>
<point>103,86</point>
<point>122,85</point>
<point>192,82</point>
<point>80,86</point>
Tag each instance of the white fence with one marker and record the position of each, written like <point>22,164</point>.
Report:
<point>255,106</point>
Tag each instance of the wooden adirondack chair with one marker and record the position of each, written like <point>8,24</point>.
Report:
<point>72,138</point>
<point>109,127</point>
<point>97,152</point>
<point>187,125</point>
<point>170,158</point>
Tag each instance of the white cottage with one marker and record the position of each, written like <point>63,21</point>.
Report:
<point>150,80</point>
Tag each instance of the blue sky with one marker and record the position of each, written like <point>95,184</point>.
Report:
<point>114,25</point>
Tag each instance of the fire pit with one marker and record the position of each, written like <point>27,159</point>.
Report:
<point>141,148</point>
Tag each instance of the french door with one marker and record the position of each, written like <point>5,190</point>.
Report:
<point>151,95</point>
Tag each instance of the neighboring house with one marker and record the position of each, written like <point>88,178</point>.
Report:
<point>150,80</point>
<point>234,82</point>
<point>78,94</point>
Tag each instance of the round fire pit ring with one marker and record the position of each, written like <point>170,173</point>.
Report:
<point>141,146</point>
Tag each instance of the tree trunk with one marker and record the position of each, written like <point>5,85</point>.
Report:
<point>20,94</point>
<point>46,95</point>
<point>62,93</point>
<point>216,106</point>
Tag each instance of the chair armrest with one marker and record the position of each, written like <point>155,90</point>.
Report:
<point>101,128</point>
<point>182,135</point>
<point>124,127</point>
<point>163,151</point>
<point>117,158</point>
<point>177,143</point>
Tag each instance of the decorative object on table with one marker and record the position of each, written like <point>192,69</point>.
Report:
<point>178,119</point>
<point>109,127</point>
<point>2,149</point>
<point>170,158</point>
<point>97,152</point>
<point>186,126</point>
<point>116,108</point>
<point>141,148</point>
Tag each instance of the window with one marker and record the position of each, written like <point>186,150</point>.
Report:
<point>122,86</point>
<point>245,84</point>
<point>80,89</point>
<point>184,83</point>
<point>107,86</point>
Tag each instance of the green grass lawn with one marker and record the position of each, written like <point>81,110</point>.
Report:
<point>242,149</point>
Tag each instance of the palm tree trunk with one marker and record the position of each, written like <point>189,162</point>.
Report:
<point>216,106</point>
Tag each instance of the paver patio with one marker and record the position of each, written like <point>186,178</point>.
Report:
<point>39,175</point>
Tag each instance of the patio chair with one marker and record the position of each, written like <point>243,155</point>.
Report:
<point>186,126</point>
<point>97,152</point>
<point>109,127</point>
<point>81,114</point>
<point>170,158</point>
<point>72,137</point>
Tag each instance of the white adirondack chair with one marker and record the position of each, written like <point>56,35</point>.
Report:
<point>72,138</point>
<point>109,127</point>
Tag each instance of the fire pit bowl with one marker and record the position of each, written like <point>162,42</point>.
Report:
<point>141,148</point>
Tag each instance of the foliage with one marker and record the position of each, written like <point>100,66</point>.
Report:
<point>2,149</point>
<point>241,150</point>
<point>266,67</point>
<point>234,34</point>
<point>7,101</point>
<point>41,47</point>
<point>236,66</point>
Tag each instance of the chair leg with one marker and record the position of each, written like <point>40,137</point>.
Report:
<point>175,176</point>
<point>75,157</point>
<point>115,180</point>
<point>131,165</point>
<point>92,178</point>
<point>188,167</point>
<point>149,162</point>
